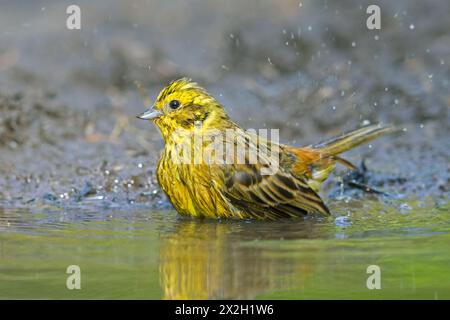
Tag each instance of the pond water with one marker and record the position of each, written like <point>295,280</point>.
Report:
<point>137,253</point>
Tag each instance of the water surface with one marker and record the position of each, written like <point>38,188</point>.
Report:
<point>136,253</point>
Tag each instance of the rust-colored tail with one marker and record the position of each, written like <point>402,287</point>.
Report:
<point>318,161</point>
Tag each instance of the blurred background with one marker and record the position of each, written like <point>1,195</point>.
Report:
<point>68,98</point>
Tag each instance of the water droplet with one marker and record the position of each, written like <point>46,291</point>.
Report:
<point>353,44</point>
<point>13,145</point>
<point>412,27</point>
<point>421,126</point>
<point>405,207</point>
<point>342,221</point>
<point>376,37</point>
<point>140,165</point>
<point>309,28</point>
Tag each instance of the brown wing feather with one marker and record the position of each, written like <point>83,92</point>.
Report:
<point>271,196</point>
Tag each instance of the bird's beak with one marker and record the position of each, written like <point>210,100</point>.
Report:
<point>150,114</point>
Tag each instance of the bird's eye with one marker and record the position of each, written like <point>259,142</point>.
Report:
<point>174,104</point>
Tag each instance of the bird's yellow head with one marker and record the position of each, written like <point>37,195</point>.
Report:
<point>183,104</point>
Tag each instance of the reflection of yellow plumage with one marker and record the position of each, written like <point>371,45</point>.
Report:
<point>202,260</point>
<point>189,261</point>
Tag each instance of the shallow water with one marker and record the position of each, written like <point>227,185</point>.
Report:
<point>136,253</point>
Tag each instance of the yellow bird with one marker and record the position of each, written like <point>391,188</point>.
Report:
<point>212,168</point>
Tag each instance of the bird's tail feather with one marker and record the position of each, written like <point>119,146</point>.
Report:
<point>353,139</point>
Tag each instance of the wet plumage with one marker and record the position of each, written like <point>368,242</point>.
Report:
<point>202,187</point>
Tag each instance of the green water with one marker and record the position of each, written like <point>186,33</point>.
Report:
<point>135,253</point>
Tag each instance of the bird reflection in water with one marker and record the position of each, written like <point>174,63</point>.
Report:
<point>233,260</point>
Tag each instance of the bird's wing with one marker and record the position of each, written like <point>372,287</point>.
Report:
<point>280,195</point>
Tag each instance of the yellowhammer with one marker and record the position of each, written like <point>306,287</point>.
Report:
<point>212,168</point>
